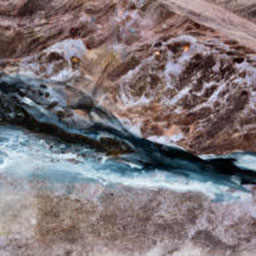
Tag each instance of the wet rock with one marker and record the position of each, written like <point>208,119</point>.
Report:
<point>83,103</point>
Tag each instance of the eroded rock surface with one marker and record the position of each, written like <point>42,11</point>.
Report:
<point>172,79</point>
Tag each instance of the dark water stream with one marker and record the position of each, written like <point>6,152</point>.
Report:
<point>35,142</point>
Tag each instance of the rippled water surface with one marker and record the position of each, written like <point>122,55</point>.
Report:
<point>29,155</point>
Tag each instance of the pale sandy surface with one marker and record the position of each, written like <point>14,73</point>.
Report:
<point>39,219</point>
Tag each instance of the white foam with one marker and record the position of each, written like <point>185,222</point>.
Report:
<point>246,161</point>
<point>24,155</point>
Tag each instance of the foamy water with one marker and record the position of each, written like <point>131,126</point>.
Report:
<point>27,155</point>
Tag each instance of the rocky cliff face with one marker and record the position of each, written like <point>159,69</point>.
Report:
<point>170,74</point>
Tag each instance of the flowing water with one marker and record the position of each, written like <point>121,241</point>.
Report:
<point>29,156</point>
<point>98,148</point>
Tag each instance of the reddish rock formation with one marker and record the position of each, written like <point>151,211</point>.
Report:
<point>156,65</point>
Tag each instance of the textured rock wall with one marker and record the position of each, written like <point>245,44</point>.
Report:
<point>173,73</point>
